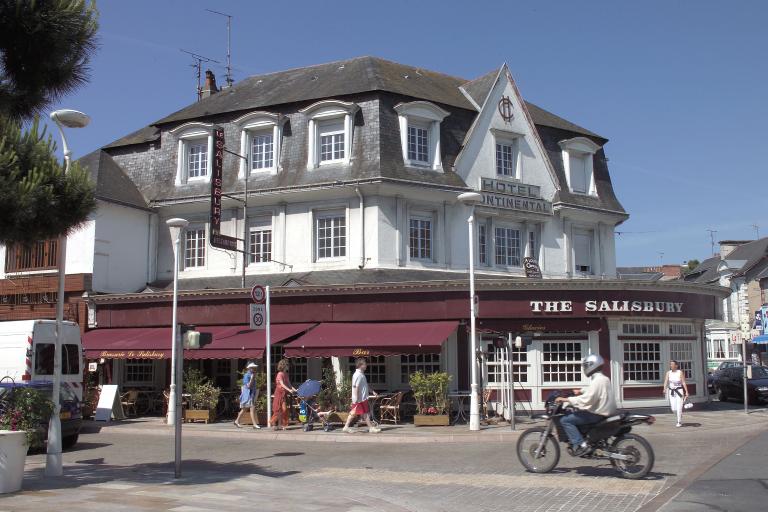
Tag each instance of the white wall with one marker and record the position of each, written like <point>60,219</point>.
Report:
<point>120,249</point>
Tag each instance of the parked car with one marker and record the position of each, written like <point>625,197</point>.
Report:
<point>730,384</point>
<point>715,374</point>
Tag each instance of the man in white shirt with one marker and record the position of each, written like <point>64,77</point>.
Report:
<point>360,392</point>
<point>594,403</point>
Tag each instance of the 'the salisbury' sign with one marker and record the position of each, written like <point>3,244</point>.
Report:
<point>607,306</point>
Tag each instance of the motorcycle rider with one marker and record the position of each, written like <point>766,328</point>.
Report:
<point>593,404</point>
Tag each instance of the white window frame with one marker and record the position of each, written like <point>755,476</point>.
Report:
<point>659,363</point>
<point>411,363</point>
<point>376,372</point>
<point>422,217</point>
<point>421,114</point>
<point>329,214</point>
<point>581,147</point>
<point>521,359</point>
<point>144,364</point>
<point>261,225</point>
<point>254,124</point>
<point>483,243</point>
<point>511,140</point>
<point>329,110</point>
<point>574,363</point>
<point>186,135</point>
<point>195,227</point>
<point>521,244</point>
<point>590,234</point>
<point>330,128</point>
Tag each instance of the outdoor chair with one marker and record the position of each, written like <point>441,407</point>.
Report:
<point>486,401</point>
<point>128,401</point>
<point>389,408</point>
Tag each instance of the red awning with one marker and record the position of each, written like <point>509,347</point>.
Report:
<point>372,339</point>
<point>229,342</point>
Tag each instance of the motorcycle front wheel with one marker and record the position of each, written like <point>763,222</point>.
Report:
<point>640,454</point>
<point>528,444</point>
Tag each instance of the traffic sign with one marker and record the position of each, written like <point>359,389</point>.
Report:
<point>258,316</point>
<point>258,294</point>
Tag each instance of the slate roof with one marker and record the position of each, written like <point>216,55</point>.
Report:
<point>141,136</point>
<point>705,272</point>
<point>754,254</point>
<point>112,183</point>
<point>638,274</point>
<point>320,278</point>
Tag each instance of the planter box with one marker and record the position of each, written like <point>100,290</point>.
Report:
<point>261,417</point>
<point>13,454</point>
<point>338,417</point>
<point>431,420</point>
<point>204,415</point>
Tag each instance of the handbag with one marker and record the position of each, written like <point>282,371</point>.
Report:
<point>687,404</point>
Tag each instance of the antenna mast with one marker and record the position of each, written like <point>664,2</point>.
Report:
<point>198,65</point>
<point>229,79</point>
<point>712,239</point>
<point>757,231</point>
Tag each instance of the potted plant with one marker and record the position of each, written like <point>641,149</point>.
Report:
<point>203,397</point>
<point>24,412</point>
<point>431,394</point>
<point>334,396</point>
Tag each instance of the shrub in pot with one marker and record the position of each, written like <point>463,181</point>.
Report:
<point>431,394</point>
<point>24,412</point>
<point>203,396</point>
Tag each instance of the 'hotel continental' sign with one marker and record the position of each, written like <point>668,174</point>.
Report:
<point>511,195</point>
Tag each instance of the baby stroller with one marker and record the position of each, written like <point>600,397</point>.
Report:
<point>308,408</point>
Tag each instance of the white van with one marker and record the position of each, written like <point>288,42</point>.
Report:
<point>26,356</point>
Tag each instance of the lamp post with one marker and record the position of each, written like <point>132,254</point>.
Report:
<point>471,199</point>
<point>176,226</point>
<point>53,462</point>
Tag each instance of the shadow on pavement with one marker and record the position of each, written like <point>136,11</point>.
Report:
<point>194,472</point>
<point>82,446</point>
<point>606,471</point>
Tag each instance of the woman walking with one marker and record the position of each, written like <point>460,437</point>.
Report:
<point>279,419</point>
<point>248,395</point>
<point>676,390</point>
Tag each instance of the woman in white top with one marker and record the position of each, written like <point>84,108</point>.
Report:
<point>676,390</point>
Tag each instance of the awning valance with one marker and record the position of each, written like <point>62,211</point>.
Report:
<point>760,340</point>
<point>229,342</point>
<point>372,339</point>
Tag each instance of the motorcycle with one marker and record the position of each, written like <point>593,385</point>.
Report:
<point>610,439</point>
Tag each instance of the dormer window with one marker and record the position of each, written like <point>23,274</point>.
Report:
<point>260,142</point>
<point>195,152</point>
<point>330,129</point>
<point>420,134</point>
<point>578,161</point>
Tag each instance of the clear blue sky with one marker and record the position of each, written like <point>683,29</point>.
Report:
<point>679,87</point>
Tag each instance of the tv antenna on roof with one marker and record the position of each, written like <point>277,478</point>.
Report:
<point>757,231</point>
<point>712,239</point>
<point>229,44</point>
<point>198,65</point>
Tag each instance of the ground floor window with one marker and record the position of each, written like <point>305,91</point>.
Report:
<point>495,364</point>
<point>642,361</point>
<point>376,370</point>
<point>412,363</point>
<point>297,370</point>
<point>139,372</point>
<point>682,352</point>
<point>561,361</point>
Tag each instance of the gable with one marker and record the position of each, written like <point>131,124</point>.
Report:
<point>477,159</point>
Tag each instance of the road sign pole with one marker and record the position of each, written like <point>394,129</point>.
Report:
<point>269,355</point>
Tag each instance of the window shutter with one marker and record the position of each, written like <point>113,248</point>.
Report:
<point>582,247</point>
<point>578,165</point>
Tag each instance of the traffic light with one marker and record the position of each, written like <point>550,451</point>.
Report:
<point>194,339</point>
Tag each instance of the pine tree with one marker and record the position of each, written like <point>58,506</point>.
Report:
<point>45,48</point>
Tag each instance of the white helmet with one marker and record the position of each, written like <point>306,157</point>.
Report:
<point>592,363</point>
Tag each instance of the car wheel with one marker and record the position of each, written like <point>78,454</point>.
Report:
<point>721,395</point>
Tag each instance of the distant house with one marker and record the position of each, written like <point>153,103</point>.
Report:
<point>741,266</point>
<point>659,273</point>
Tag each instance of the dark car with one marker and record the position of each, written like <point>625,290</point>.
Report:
<point>730,384</point>
<point>715,374</point>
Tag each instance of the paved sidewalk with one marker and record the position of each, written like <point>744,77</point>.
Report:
<point>127,466</point>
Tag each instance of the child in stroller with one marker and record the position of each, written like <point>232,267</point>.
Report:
<point>309,411</point>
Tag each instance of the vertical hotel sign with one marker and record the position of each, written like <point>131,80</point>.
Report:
<point>217,181</point>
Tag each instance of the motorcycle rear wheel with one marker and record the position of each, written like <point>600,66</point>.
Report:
<point>527,445</point>
<point>641,452</point>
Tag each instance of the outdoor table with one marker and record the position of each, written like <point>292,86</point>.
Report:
<point>461,399</point>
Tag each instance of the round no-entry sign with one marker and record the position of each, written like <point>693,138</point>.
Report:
<point>258,294</point>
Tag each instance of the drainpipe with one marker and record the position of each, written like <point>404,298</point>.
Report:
<point>362,228</point>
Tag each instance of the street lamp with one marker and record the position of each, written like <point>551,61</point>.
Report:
<point>53,462</point>
<point>174,407</point>
<point>472,199</point>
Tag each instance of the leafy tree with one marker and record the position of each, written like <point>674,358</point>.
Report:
<point>45,48</point>
<point>692,264</point>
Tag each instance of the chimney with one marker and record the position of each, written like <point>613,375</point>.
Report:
<point>210,85</point>
<point>727,246</point>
